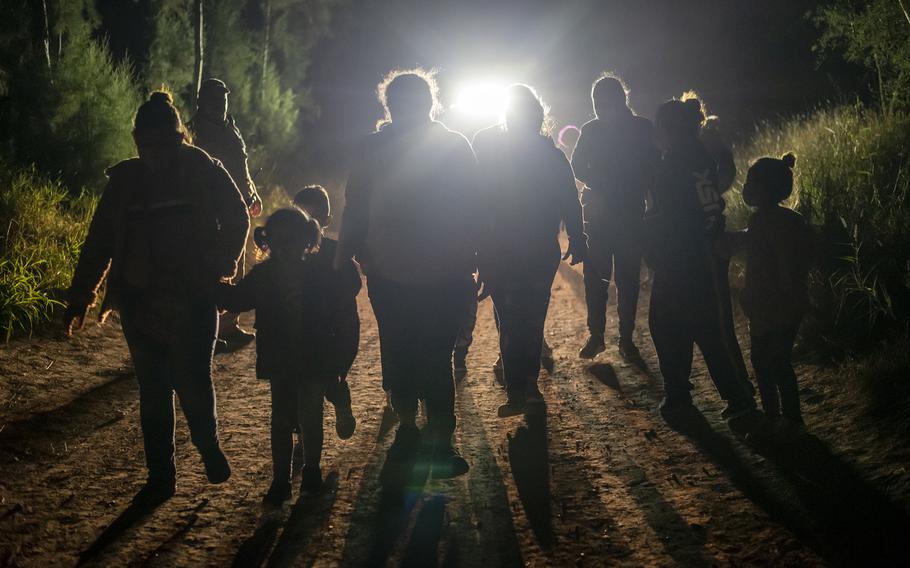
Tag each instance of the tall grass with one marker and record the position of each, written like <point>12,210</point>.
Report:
<point>852,184</point>
<point>41,230</point>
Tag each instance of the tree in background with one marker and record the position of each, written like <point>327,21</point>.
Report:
<point>876,35</point>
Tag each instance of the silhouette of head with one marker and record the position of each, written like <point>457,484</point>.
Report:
<point>408,96</point>
<point>678,122</point>
<point>769,180</point>
<point>212,100</point>
<point>525,111</point>
<point>314,201</point>
<point>158,129</point>
<point>692,95</point>
<point>609,95</point>
<point>288,234</point>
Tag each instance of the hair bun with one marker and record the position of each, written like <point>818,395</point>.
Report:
<point>789,159</point>
<point>161,97</point>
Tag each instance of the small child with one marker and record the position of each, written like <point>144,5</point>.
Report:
<point>288,291</point>
<point>344,328</point>
<point>775,298</point>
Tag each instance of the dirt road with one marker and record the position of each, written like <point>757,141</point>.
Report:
<point>602,481</point>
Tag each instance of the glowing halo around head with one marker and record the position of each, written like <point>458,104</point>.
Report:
<point>483,100</point>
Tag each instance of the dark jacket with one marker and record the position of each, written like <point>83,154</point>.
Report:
<point>222,140</point>
<point>177,232</point>
<point>412,206</point>
<point>529,191</point>
<point>617,160</point>
<point>685,213</point>
<point>779,252</point>
<point>301,310</point>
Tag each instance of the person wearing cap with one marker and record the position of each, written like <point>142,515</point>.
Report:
<point>213,129</point>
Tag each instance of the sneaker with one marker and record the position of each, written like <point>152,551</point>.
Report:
<point>405,445</point>
<point>546,357</point>
<point>154,493</point>
<point>448,463</point>
<point>217,468</point>
<point>312,479</point>
<point>514,406</point>
<point>534,401</point>
<point>594,346</point>
<point>233,340</point>
<point>278,494</point>
<point>460,365</point>
<point>345,423</point>
<point>630,353</point>
<point>676,405</point>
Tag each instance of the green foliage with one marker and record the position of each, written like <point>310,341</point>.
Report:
<point>171,53</point>
<point>876,35</point>
<point>42,231</point>
<point>852,184</point>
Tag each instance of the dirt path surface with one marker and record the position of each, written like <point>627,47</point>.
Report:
<point>601,481</point>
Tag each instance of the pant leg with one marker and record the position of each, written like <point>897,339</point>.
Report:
<point>310,411</point>
<point>156,402</point>
<point>522,309</point>
<point>436,321</point>
<point>715,335</point>
<point>282,425</point>
<point>627,261</point>
<point>597,270</point>
<point>763,363</point>
<point>773,367</point>
<point>230,320</point>
<point>338,393</point>
<point>391,306</point>
<point>673,340</point>
<point>467,321</point>
<point>190,362</point>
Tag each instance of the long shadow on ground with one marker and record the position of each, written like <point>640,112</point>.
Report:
<point>40,430</point>
<point>528,456</point>
<point>843,518</point>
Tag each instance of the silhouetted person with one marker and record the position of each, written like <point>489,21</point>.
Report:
<point>169,225</point>
<point>214,131</point>
<point>529,190</point>
<point>616,159</point>
<point>778,245</point>
<point>716,145</point>
<point>344,328</point>
<point>293,294</point>
<point>410,213</point>
<point>690,296</point>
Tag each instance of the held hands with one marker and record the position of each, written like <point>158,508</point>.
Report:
<point>578,251</point>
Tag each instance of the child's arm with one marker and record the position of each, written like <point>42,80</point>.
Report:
<point>240,297</point>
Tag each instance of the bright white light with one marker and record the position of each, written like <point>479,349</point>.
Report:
<point>483,100</point>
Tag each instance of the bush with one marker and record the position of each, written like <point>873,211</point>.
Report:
<point>852,184</point>
<point>42,231</point>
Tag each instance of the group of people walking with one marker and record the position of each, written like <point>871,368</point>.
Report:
<point>435,223</point>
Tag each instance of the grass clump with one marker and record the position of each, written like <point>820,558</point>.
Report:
<point>41,230</point>
<point>852,184</point>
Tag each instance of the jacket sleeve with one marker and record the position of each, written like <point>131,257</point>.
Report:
<point>233,219</point>
<point>97,251</point>
<point>238,297</point>
<point>581,158</point>
<point>569,205</point>
<point>242,169</point>
<point>355,218</point>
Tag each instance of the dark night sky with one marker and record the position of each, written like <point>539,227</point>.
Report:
<point>750,60</point>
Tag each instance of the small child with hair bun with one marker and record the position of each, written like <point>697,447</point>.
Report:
<point>288,290</point>
<point>779,251</point>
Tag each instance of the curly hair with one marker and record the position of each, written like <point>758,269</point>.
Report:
<point>408,91</point>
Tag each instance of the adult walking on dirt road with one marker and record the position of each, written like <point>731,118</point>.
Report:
<point>410,219</point>
<point>169,225</point>
<point>690,294</point>
<point>529,190</point>
<point>214,130</point>
<point>616,159</point>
